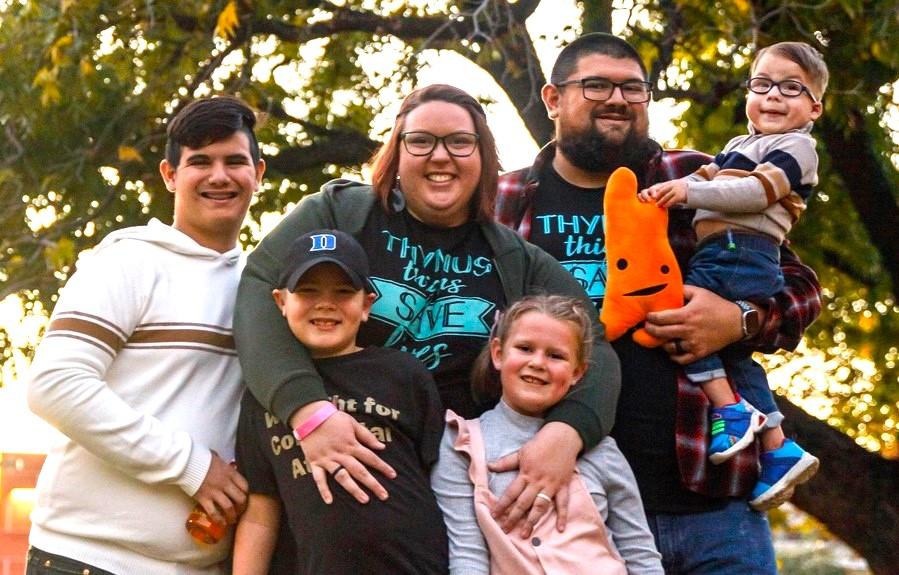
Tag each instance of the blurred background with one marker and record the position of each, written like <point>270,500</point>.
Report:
<point>86,89</point>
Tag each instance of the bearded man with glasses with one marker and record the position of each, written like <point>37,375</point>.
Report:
<point>598,99</point>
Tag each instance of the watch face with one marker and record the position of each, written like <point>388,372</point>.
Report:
<point>749,319</point>
<point>751,322</point>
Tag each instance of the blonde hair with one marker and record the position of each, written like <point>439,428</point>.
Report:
<point>810,60</point>
<point>485,381</point>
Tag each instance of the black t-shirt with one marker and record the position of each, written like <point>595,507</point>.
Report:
<point>568,224</point>
<point>437,293</point>
<point>393,395</point>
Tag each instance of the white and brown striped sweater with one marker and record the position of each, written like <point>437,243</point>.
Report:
<point>138,369</point>
<point>759,181</point>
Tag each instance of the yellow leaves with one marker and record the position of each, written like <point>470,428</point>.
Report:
<point>57,50</point>
<point>64,5</point>
<point>60,254</point>
<point>228,21</point>
<point>47,79</point>
<point>86,68</point>
<point>742,7</point>
<point>129,154</point>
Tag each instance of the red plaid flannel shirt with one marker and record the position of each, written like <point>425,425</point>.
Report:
<point>789,313</point>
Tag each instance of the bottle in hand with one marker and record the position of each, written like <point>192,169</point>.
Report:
<point>202,528</point>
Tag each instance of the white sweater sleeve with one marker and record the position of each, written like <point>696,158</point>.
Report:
<point>622,508</point>
<point>96,312</point>
<point>468,552</point>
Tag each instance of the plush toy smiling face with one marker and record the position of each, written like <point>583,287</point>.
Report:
<point>639,276</point>
<point>643,272</point>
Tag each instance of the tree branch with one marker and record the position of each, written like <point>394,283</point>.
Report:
<point>338,147</point>
<point>861,168</point>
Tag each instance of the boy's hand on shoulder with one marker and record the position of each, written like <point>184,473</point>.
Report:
<point>223,493</point>
<point>342,447</point>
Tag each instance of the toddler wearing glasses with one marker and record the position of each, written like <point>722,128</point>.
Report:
<point>746,201</point>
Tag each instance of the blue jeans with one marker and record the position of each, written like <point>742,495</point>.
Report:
<point>43,563</point>
<point>734,541</point>
<point>738,265</point>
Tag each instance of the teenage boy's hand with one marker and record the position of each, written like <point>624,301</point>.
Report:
<point>342,447</point>
<point>223,493</point>
<point>546,464</point>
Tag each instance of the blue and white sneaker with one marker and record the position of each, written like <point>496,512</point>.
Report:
<point>782,470</point>
<point>733,427</point>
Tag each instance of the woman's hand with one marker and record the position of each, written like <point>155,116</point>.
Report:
<point>342,447</point>
<point>545,465</point>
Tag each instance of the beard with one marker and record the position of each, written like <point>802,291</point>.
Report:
<point>592,151</point>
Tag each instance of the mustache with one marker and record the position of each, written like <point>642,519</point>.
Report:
<point>623,111</point>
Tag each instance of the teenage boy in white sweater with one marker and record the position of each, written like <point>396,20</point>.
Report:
<point>138,369</point>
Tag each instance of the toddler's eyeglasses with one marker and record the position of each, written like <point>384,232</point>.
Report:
<point>787,88</point>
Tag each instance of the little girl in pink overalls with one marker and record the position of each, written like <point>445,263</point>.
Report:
<point>538,349</point>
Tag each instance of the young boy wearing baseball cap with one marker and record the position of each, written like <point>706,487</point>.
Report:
<point>324,293</point>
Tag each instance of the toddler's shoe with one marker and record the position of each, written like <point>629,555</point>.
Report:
<point>782,470</point>
<point>733,428</point>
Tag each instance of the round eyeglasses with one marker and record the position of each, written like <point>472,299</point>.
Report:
<point>787,88</point>
<point>601,89</point>
<point>458,144</point>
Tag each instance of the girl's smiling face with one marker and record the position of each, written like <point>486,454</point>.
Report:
<point>538,362</point>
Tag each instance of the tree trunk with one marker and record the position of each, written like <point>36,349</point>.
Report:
<point>852,154</point>
<point>855,493</point>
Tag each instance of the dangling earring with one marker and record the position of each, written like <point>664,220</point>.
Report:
<point>397,199</point>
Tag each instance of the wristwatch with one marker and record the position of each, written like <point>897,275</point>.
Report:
<point>749,319</point>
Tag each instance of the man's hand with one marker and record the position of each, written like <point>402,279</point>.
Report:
<point>546,464</point>
<point>223,493</point>
<point>665,194</point>
<point>704,325</point>
<point>342,447</point>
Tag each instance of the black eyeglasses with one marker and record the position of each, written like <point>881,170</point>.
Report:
<point>459,144</point>
<point>787,88</point>
<point>601,89</point>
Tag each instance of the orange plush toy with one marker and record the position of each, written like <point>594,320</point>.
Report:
<point>643,274</point>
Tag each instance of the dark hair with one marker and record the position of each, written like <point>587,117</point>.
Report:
<point>385,163</point>
<point>485,381</point>
<point>810,60</point>
<point>206,121</point>
<point>594,43</point>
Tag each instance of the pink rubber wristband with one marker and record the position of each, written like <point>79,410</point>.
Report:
<point>316,419</point>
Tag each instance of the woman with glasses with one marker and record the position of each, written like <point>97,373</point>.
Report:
<point>746,201</point>
<point>441,269</point>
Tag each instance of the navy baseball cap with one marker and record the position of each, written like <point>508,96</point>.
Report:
<point>323,246</point>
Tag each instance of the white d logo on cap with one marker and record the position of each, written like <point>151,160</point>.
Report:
<point>323,242</point>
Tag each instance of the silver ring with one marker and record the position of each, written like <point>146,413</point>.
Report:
<point>542,495</point>
<point>678,348</point>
